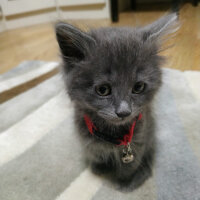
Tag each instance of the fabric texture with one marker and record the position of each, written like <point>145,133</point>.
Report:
<point>41,157</point>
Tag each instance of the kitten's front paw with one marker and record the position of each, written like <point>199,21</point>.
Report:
<point>100,168</point>
<point>137,181</point>
<point>129,183</point>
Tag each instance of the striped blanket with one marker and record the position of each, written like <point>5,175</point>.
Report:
<point>41,157</point>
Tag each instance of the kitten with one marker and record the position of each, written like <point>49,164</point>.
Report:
<point>112,75</point>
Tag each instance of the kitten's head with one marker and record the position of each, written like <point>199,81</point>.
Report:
<point>113,72</point>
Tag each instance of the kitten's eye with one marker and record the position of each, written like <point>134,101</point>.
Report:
<point>138,87</point>
<point>103,90</point>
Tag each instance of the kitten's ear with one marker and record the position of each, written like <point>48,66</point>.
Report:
<point>165,25</point>
<point>74,43</point>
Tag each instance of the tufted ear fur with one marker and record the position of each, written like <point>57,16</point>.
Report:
<point>165,25</point>
<point>74,43</point>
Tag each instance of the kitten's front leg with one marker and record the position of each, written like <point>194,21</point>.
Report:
<point>102,161</point>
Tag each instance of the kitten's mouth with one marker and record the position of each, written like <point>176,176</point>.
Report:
<point>118,120</point>
<point>121,121</point>
<point>115,120</point>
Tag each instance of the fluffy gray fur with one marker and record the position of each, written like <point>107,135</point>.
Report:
<point>119,57</point>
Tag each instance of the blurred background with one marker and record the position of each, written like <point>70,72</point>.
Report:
<point>26,26</point>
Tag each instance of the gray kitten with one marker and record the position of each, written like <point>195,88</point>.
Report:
<point>112,75</point>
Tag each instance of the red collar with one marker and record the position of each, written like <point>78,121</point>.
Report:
<point>127,138</point>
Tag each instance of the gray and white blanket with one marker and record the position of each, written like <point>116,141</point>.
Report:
<point>40,154</point>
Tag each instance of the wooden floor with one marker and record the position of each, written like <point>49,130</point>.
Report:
<point>38,42</point>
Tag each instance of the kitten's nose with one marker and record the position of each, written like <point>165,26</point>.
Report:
<point>123,110</point>
<point>123,114</point>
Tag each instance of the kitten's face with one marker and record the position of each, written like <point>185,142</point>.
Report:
<point>116,80</point>
<point>112,72</point>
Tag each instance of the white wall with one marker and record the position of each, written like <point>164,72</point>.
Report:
<point>19,13</point>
